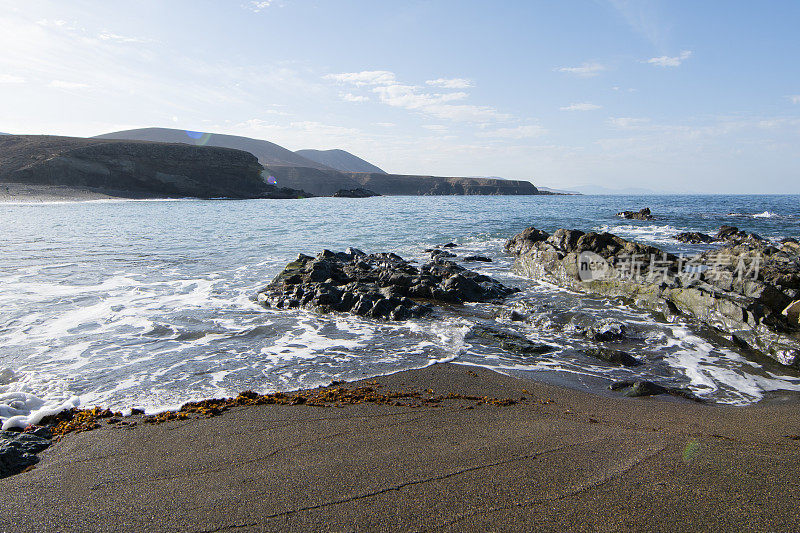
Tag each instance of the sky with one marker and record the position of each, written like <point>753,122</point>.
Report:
<point>669,95</point>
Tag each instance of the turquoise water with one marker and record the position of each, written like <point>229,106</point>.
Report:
<point>149,303</point>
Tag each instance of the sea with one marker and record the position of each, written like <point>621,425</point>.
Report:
<point>151,304</point>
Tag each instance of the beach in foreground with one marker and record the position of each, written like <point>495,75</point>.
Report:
<point>558,459</point>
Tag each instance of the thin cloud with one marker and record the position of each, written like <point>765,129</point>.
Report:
<point>114,37</point>
<point>451,83</point>
<point>61,84</point>
<point>350,97</point>
<point>586,70</point>
<point>520,132</point>
<point>667,61</point>
<point>582,106</point>
<point>257,7</point>
<point>365,77</point>
<point>11,79</point>
<point>795,98</point>
<point>627,122</point>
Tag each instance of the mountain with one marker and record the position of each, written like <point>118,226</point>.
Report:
<point>340,160</point>
<point>267,153</point>
<point>131,169</point>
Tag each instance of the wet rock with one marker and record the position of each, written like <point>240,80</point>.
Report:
<point>643,214</point>
<point>740,289</point>
<point>441,253</point>
<point>18,451</point>
<point>449,245</point>
<point>511,342</point>
<point>640,388</point>
<point>614,357</point>
<point>694,237</point>
<point>478,258</point>
<point>733,235</point>
<point>382,285</point>
<point>354,193</point>
<point>792,312</point>
<point>607,330</point>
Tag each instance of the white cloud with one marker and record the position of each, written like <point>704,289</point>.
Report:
<point>60,84</point>
<point>386,124</point>
<point>114,37</point>
<point>10,78</point>
<point>667,61</point>
<point>795,98</point>
<point>583,106</point>
<point>259,6</point>
<point>350,97</point>
<point>439,128</point>
<point>452,83</point>
<point>365,77</point>
<point>627,122</point>
<point>586,70</point>
<point>520,132</point>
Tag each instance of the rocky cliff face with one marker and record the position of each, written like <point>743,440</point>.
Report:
<point>135,169</point>
<point>327,182</point>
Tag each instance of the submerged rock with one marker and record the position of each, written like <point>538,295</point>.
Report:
<point>18,451</point>
<point>607,330</point>
<point>639,388</point>
<point>382,285</point>
<point>740,289</point>
<point>615,357</point>
<point>478,258</point>
<point>643,214</point>
<point>511,342</point>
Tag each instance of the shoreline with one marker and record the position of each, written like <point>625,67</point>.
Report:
<point>560,459</point>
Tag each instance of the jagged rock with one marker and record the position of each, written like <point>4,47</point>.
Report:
<point>18,451</point>
<point>449,245</point>
<point>511,342</point>
<point>740,289</point>
<point>381,285</point>
<point>643,214</point>
<point>694,237</point>
<point>441,253</point>
<point>732,234</point>
<point>355,193</point>
<point>615,357</point>
<point>478,258</point>
<point>607,330</point>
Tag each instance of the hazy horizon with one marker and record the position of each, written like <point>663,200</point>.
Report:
<point>668,96</point>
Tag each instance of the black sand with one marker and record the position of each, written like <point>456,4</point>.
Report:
<point>562,460</point>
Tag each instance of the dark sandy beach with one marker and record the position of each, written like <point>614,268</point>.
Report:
<point>558,460</point>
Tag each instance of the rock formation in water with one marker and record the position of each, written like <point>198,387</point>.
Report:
<point>380,285</point>
<point>744,289</point>
<point>135,169</point>
<point>354,193</point>
<point>642,214</point>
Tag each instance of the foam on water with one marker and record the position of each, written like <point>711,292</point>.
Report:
<point>115,304</point>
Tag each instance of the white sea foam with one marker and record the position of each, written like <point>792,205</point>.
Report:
<point>654,233</point>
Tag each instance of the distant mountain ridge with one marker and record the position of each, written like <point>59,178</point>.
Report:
<point>267,153</point>
<point>340,160</point>
<point>293,170</point>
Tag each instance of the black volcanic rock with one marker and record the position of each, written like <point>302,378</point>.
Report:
<point>381,285</point>
<point>354,193</point>
<point>18,451</point>
<point>694,237</point>
<point>643,214</point>
<point>135,169</point>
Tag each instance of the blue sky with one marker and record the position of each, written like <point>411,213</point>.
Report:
<point>668,95</point>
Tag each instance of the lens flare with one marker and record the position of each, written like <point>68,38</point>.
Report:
<point>271,180</point>
<point>200,138</point>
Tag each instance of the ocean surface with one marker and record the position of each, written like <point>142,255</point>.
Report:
<point>150,303</point>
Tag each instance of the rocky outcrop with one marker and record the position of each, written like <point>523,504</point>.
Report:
<point>740,289</point>
<point>694,237</point>
<point>643,214</point>
<point>397,184</point>
<point>381,285</point>
<point>354,193</point>
<point>18,451</point>
<point>135,169</point>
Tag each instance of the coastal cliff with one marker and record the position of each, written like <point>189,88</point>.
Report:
<point>134,169</point>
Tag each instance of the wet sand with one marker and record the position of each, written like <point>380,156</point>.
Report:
<point>35,194</point>
<point>559,460</point>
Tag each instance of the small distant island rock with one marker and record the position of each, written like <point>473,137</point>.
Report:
<point>643,214</point>
<point>355,193</point>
